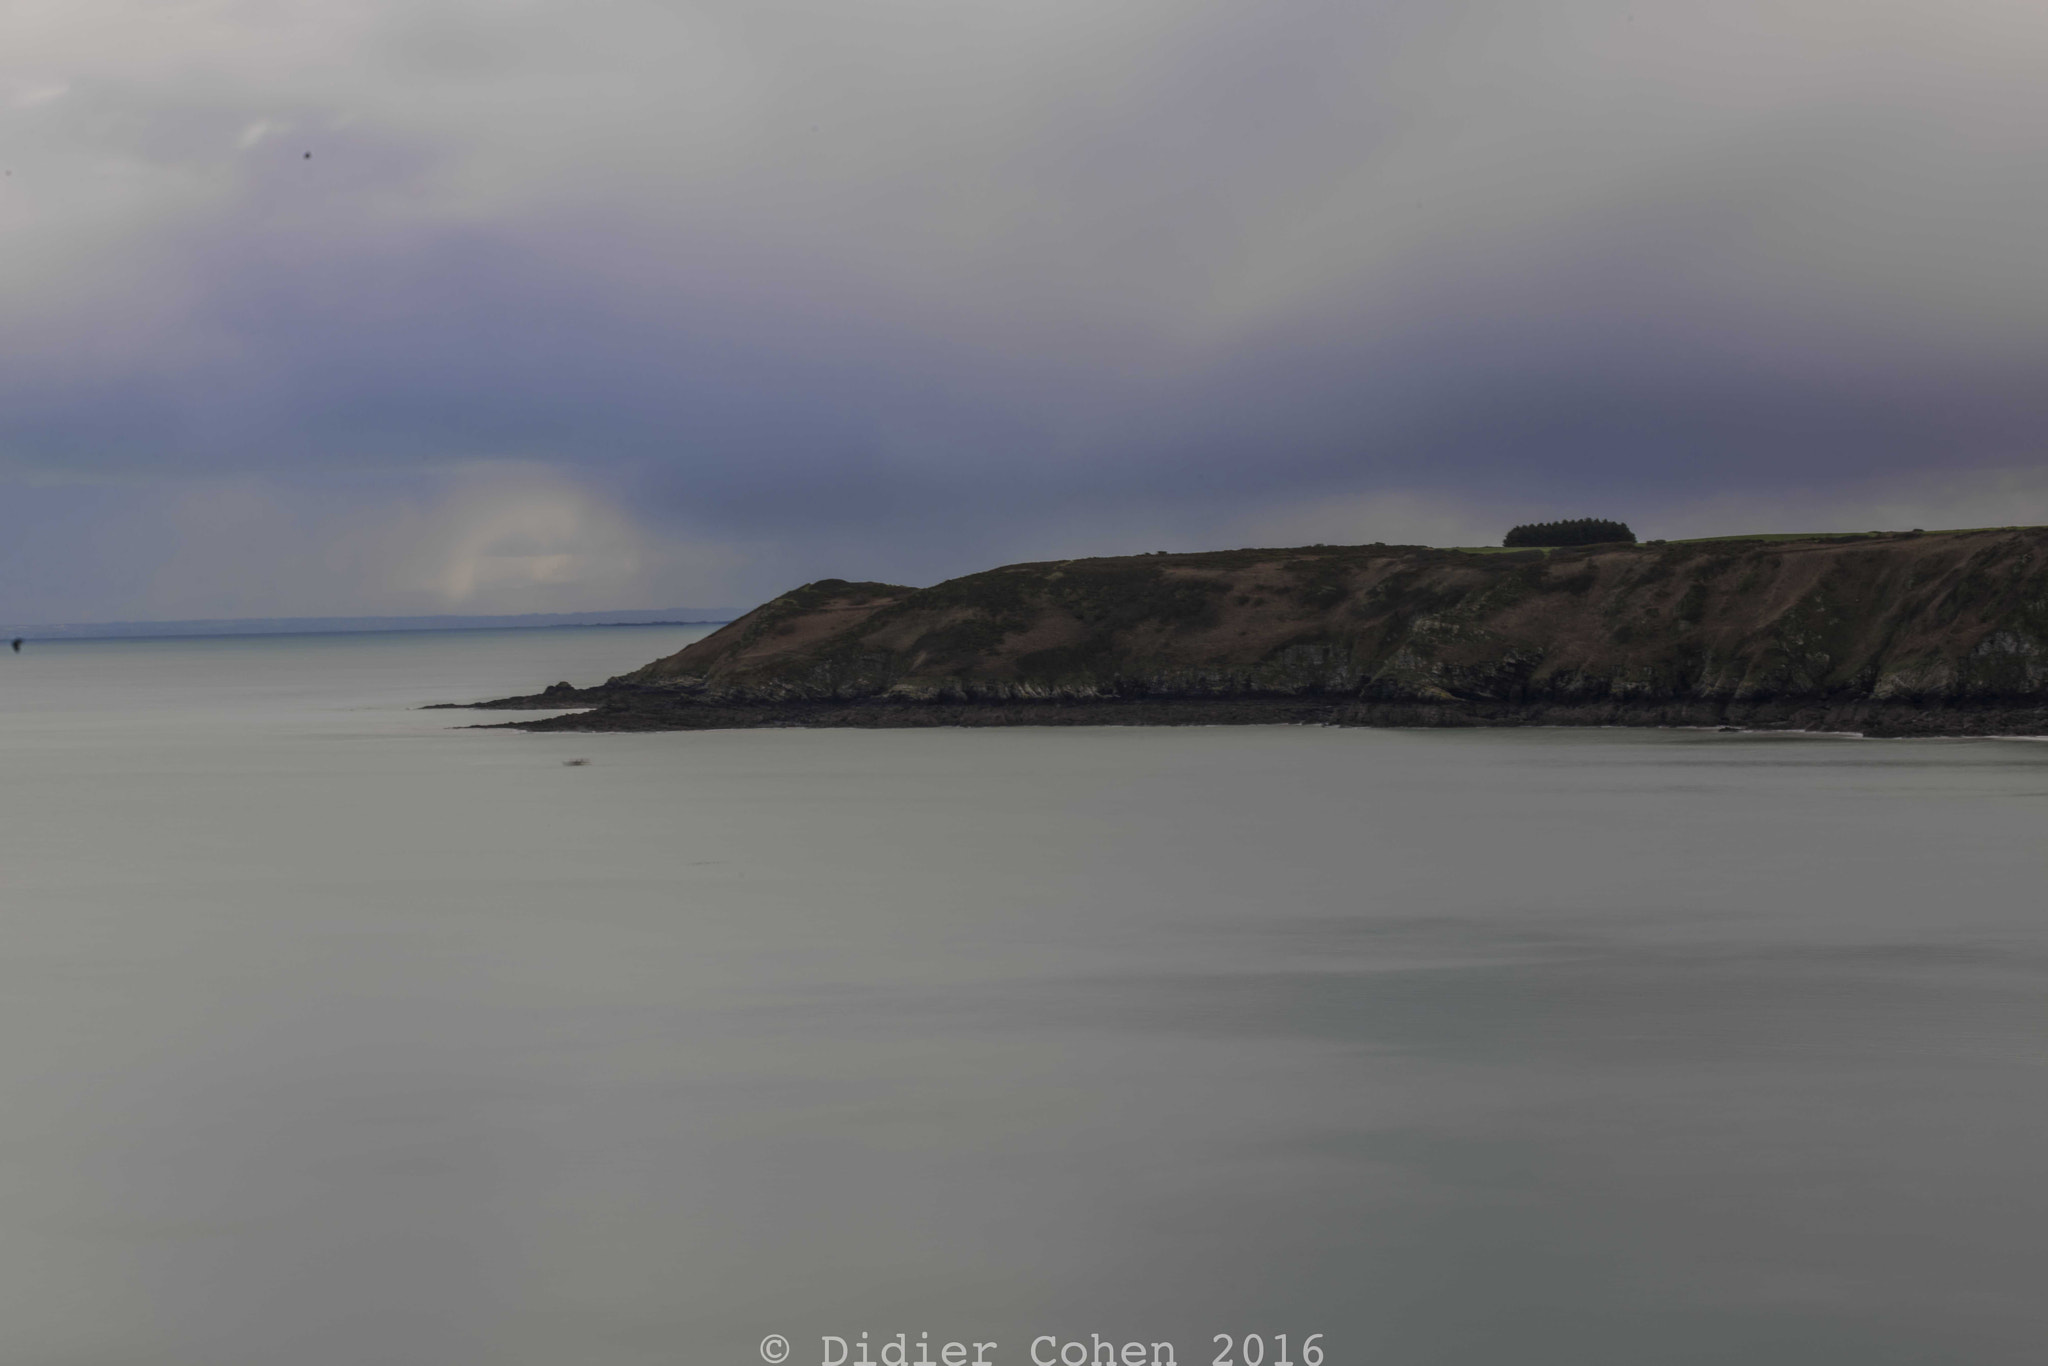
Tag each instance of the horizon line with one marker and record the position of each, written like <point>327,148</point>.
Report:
<point>362,624</point>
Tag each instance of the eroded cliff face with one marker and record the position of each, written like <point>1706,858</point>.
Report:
<point>1943,632</point>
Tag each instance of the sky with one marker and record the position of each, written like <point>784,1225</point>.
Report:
<point>612,304</point>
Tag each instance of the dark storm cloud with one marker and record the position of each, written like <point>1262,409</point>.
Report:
<point>903,287</point>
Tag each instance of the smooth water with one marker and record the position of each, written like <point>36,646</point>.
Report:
<point>333,1036</point>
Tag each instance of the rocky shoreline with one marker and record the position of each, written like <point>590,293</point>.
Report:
<point>655,713</point>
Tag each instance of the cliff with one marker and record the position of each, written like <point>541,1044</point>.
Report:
<point>1910,633</point>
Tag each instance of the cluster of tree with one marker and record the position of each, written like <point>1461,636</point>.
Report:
<point>1584,531</point>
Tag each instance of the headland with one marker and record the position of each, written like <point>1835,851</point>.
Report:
<point>1907,633</point>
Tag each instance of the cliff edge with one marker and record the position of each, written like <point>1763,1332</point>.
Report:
<point>1907,633</point>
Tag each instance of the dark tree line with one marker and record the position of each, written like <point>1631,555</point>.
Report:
<point>1584,531</point>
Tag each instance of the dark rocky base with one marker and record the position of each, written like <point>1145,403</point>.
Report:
<point>560,695</point>
<point>652,709</point>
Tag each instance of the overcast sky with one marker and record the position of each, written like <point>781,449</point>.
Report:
<point>620,304</point>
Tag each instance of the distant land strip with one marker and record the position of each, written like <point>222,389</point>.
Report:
<point>1901,633</point>
<point>282,626</point>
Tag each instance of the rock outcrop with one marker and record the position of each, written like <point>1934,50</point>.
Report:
<point>1909,633</point>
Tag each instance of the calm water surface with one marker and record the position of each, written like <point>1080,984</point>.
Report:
<point>333,1036</point>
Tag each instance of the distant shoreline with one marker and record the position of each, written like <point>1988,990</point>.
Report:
<point>335,626</point>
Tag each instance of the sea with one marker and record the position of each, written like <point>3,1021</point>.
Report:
<point>337,1032</point>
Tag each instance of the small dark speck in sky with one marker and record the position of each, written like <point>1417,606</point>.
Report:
<point>309,156</point>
